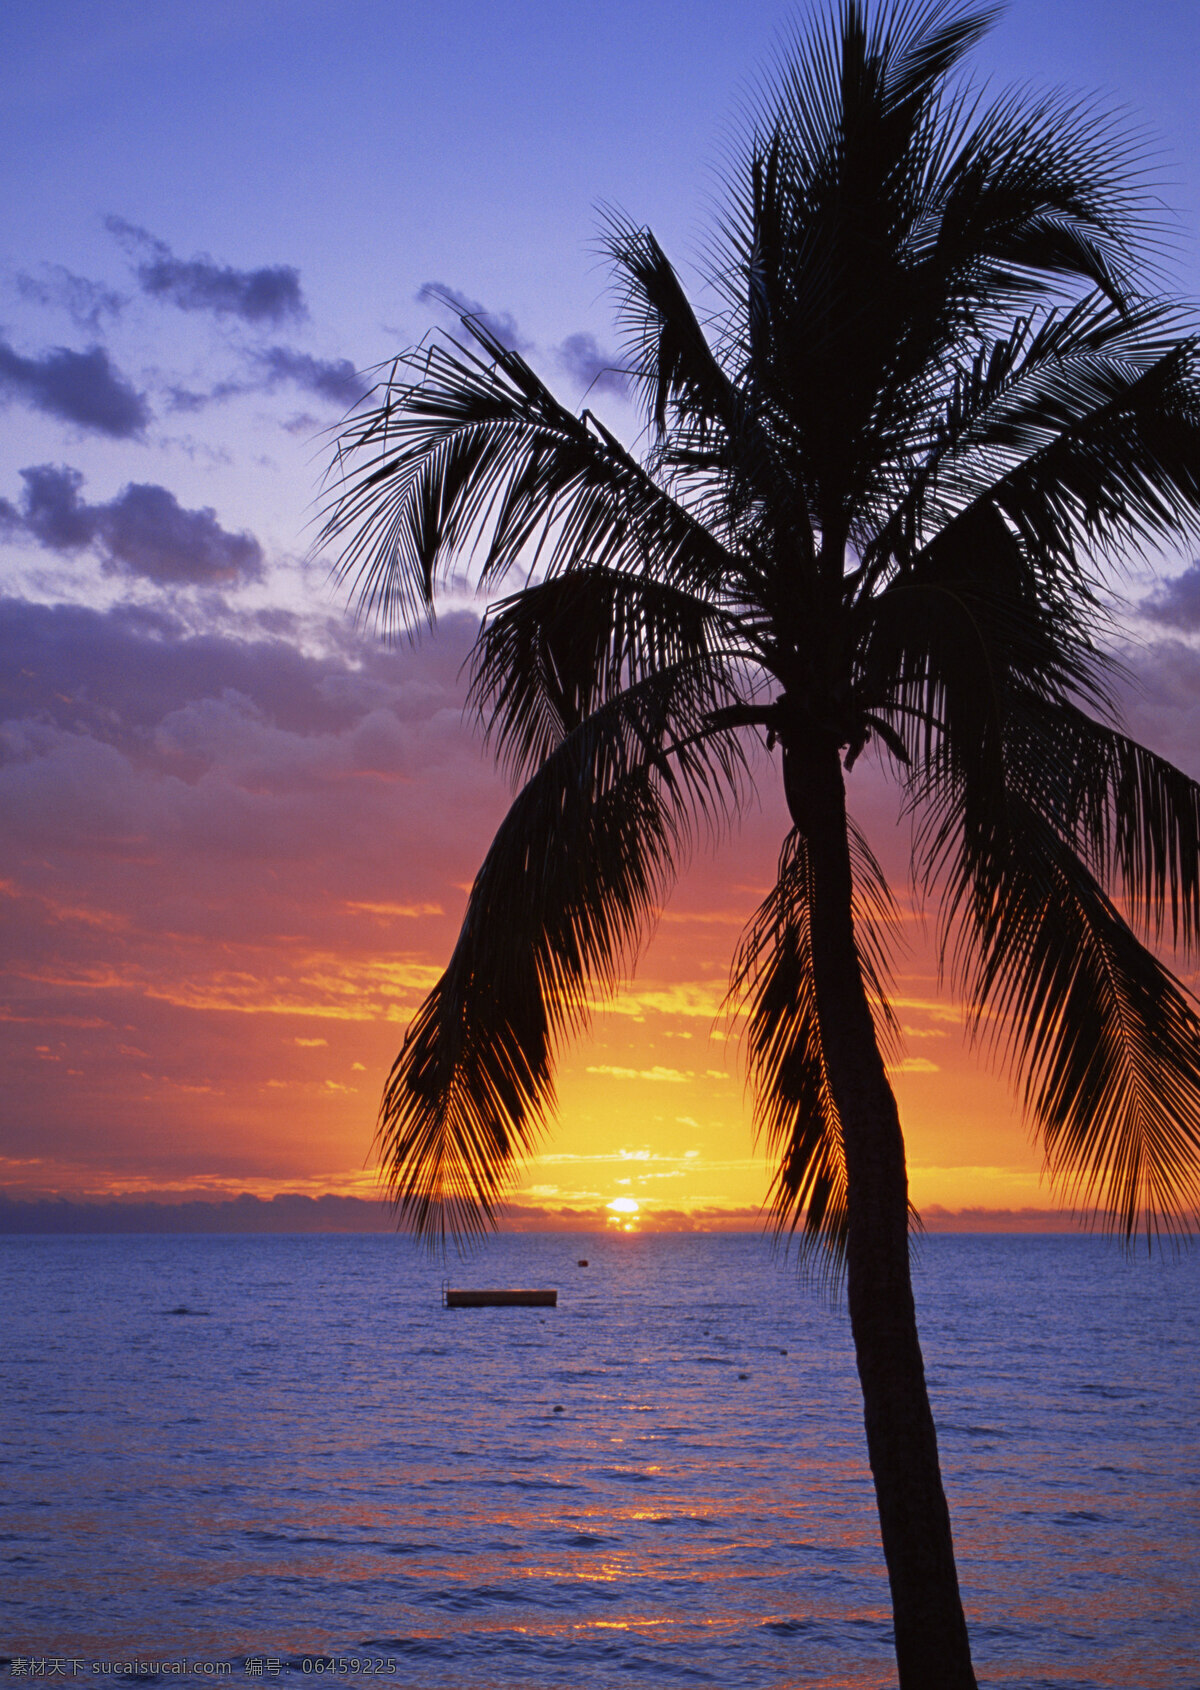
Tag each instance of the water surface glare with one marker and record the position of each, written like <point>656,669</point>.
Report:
<point>284,1450</point>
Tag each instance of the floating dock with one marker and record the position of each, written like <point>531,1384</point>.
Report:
<point>540,1299</point>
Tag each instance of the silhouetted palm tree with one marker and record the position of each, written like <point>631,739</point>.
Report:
<point>930,401</point>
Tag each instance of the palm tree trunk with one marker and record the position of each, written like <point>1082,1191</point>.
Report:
<point>932,1648</point>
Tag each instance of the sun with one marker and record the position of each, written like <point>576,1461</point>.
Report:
<point>623,1213</point>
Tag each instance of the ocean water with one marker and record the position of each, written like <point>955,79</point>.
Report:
<point>271,1458</point>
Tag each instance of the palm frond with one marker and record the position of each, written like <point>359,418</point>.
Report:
<point>794,1111</point>
<point>1132,816</point>
<point>713,439</point>
<point>1103,1036</point>
<point>1042,382</point>
<point>569,888</point>
<point>666,349</point>
<point>1093,444</point>
<point>876,918</point>
<point>948,644</point>
<point>549,656</point>
<point>879,224</point>
<point>468,453</point>
<point>1101,1031</point>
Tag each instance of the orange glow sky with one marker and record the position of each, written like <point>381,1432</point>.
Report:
<point>235,833</point>
<point>217,937</point>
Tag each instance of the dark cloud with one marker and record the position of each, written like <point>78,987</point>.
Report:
<point>50,510</point>
<point>935,1218</point>
<point>596,370</point>
<point>143,531</point>
<point>332,379</point>
<point>1176,603</point>
<point>502,325</point>
<point>148,532</point>
<point>86,302</point>
<point>1159,701</point>
<point>80,387</point>
<point>271,294</point>
<point>116,727</point>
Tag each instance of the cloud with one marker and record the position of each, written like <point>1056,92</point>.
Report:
<point>85,302</point>
<point>304,422</point>
<point>50,510</point>
<point>271,294</point>
<point>1160,700</point>
<point>147,532</point>
<point>117,675</point>
<point>913,1065</point>
<point>140,680</point>
<point>84,388</point>
<point>502,325</point>
<point>387,912</point>
<point>580,356</point>
<point>1176,602</point>
<point>143,531</point>
<point>595,370</point>
<point>189,399</point>
<point>936,1218</point>
<point>683,997</point>
<point>334,380</point>
<point>670,1076</point>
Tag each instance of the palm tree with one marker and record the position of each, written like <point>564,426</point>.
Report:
<point>931,402</point>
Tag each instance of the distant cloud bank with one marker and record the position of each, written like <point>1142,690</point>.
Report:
<point>289,1212</point>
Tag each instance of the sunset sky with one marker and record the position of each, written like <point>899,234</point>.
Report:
<point>237,833</point>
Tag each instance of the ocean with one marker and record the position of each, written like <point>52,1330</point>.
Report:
<point>271,1459</point>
